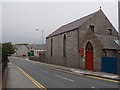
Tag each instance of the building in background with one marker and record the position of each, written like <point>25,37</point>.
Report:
<point>36,48</point>
<point>89,43</point>
<point>21,50</point>
<point>29,49</point>
<point>39,51</point>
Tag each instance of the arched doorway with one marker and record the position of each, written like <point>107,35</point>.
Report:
<point>89,57</point>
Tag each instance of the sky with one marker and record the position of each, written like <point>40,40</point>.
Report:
<point>20,19</point>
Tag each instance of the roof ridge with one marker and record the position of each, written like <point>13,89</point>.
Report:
<point>83,17</point>
<point>73,24</point>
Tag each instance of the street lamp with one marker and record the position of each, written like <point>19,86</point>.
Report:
<point>42,35</point>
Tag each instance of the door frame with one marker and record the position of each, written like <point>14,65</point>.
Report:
<point>89,49</point>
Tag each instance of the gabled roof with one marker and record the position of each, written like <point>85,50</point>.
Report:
<point>109,42</point>
<point>72,25</point>
<point>19,46</point>
<point>39,46</point>
<point>29,46</point>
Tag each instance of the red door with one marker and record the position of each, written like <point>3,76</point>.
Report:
<point>89,57</point>
<point>89,60</point>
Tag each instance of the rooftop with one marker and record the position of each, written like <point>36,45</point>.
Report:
<point>72,25</point>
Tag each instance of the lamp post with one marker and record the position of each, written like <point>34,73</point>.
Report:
<point>40,53</point>
<point>42,34</point>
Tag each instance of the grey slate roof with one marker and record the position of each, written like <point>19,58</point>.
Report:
<point>18,46</point>
<point>108,41</point>
<point>37,46</point>
<point>72,25</point>
<point>29,46</point>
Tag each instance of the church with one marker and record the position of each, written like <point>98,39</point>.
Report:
<point>89,43</point>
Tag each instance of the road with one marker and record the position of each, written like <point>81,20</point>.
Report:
<point>53,78</point>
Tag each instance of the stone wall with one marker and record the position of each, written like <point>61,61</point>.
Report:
<point>57,57</point>
<point>78,38</point>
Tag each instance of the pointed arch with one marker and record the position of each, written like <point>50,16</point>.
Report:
<point>89,57</point>
<point>89,46</point>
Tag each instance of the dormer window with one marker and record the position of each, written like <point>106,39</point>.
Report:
<point>92,28</point>
<point>110,31</point>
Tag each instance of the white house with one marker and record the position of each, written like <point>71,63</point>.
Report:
<point>21,50</point>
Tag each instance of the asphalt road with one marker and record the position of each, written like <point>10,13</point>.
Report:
<point>53,78</point>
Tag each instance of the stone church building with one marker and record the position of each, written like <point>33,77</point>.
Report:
<point>83,43</point>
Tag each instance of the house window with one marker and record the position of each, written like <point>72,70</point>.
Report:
<point>64,45</point>
<point>51,46</point>
<point>110,31</point>
<point>91,28</point>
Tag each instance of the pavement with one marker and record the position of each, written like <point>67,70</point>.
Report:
<point>3,78</point>
<point>16,78</point>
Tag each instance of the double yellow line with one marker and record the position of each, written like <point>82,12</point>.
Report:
<point>32,79</point>
<point>82,74</point>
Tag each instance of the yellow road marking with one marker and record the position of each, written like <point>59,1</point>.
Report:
<point>104,79</point>
<point>82,74</point>
<point>33,80</point>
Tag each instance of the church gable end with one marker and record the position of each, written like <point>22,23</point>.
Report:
<point>103,24</point>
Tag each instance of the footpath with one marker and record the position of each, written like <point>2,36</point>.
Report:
<point>16,79</point>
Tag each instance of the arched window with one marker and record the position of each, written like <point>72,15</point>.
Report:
<point>89,47</point>
<point>64,45</point>
<point>51,46</point>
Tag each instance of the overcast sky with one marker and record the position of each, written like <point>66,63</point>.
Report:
<point>20,19</point>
